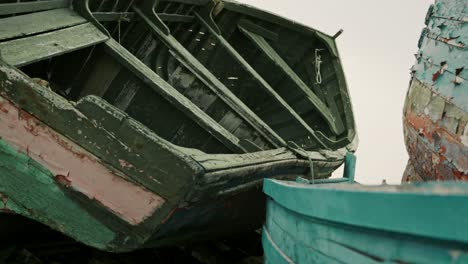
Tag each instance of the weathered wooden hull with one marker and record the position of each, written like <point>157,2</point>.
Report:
<point>436,108</point>
<point>350,223</point>
<point>126,125</point>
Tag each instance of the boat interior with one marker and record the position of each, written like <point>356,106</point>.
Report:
<point>218,77</point>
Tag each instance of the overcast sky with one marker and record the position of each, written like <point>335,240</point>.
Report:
<point>376,48</point>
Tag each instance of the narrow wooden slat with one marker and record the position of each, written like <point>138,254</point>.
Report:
<point>213,83</point>
<point>190,2</point>
<point>28,50</point>
<point>259,79</point>
<point>113,16</point>
<point>172,95</point>
<point>175,17</point>
<point>24,7</point>
<point>24,25</point>
<point>263,45</point>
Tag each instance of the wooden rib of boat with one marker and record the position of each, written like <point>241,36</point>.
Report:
<point>330,222</point>
<point>130,124</point>
<point>436,107</point>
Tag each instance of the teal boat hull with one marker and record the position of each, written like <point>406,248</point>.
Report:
<point>351,223</point>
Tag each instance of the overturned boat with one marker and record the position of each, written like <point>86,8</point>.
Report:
<point>130,124</point>
<point>436,107</point>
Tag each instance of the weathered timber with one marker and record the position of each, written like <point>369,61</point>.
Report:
<point>24,25</point>
<point>32,6</point>
<point>20,52</point>
<point>363,224</point>
<point>159,119</point>
<point>436,107</point>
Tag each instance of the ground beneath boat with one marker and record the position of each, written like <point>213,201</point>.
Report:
<point>23,241</point>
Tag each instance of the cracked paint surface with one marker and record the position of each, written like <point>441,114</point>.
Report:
<point>74,167</point>
<point>436,107</point>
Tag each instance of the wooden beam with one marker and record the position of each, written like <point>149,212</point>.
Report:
<point>175,18</point>
<point>160,86</point>
<point>211,81</point>
<point>28,50</point>
<point>113,16</point>
<point>268,50</point>
<point>25,7</point>
<point>190,2</point>
<point>259,79</point>
<point>24,25</point>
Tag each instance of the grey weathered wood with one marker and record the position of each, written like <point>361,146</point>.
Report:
<point>24,25</point>
<point>264,46</point>
<point>172,95</point>
<point>24,7</point>
<point>39,47</point>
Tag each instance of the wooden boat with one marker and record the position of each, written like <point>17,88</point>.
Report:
<point>330,222</point>
<point>130,124</point>
<point>436,108</point>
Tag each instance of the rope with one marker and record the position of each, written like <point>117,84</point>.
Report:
<point>318,63</point>
<point>311,164</point>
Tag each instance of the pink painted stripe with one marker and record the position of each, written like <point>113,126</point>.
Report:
<point>74,167</point>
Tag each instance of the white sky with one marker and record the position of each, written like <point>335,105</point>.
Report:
<point>376,49</point>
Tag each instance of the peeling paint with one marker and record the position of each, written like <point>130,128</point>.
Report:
<point>74,167</point>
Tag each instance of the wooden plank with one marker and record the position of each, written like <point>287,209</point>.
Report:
<point>172,95</point>
<point>25,7</point>
<point>175,18</point>
<point>39,47</point>
<point>259,79</point>
<point>213,83</point>
<point>113,16</point>
<point>190,2</point>
<point>24,25</point>
<point>325,236</point>
<point>376,207</point>
<point>269,51</point>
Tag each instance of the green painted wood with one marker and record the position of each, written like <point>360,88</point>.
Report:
<point>113,16</point>
<point>367,224</point>
<point>295,235</point>
<point>175,18</point>
<point>212,82</point>
<point>24,25</point>
<point>32,191</point>
<point>90,128</point>
<point>259,79</point>
<point>172,95</point>
<point>190,2</point>
<point>31,49</point>
<point>32,6</point>
<point>263,45</point>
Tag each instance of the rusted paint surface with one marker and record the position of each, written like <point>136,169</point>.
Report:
<point>436,108</point>
<point>74,167</point>
<point>434,132</point>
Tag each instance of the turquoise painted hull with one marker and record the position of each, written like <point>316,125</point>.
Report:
<point>351,223</point>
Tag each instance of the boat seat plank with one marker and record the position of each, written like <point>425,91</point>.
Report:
<point>24,25</point>
<point>25,7</point>
<point>268,50</point>
<point>28,50</point>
